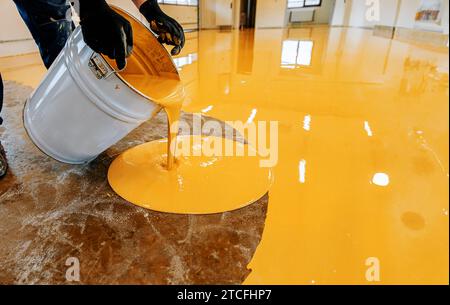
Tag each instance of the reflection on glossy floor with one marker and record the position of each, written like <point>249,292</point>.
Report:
<point>363,148</point>
<point>25,69</point>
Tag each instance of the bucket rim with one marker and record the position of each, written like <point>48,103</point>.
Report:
<point>117,73</point>
<point>83,76</point>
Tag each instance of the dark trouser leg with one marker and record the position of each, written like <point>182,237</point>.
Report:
<point>50,24</point>
<point>3,163</point>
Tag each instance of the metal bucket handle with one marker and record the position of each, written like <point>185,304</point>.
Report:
<point>100,68</point>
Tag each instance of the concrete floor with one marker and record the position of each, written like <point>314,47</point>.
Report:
<point>51,211</point>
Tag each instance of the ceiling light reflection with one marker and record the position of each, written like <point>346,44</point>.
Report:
<point>381,179</point>
<point>302,171</point>
<point>252,116</point>
<point>307,122</point>
<point>368,129</point>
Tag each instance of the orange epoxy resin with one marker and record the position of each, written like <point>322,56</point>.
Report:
<point>363,152</point>
<point>195,185</point>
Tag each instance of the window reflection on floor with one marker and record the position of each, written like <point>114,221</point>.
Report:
<point>296,53</point>
<point>185,60</point>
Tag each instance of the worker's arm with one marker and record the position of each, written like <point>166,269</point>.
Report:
<point>105,31</point>
<point>169,31</point>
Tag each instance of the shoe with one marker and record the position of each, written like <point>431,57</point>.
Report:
<point>3,163</point>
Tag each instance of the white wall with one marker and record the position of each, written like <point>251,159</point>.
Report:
<point>353,13</point>
<point>16,39</point>
<point>207,14</point>
<point>270,13</point>
<point>445,18</point>
<point>408,11</point>
<point>185,15</point>
<point>322,14</point>
<point>14,35</point>
<point>212,11</point>
<point>339,13</point>
<point>388,12</point>
<point>11,25</point>
<point>128,6</point>
<point>224,12</point>
<point>388,9</point>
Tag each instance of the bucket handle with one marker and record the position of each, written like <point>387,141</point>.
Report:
<point>100,68</point>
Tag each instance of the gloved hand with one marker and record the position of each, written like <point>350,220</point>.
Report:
<point>168,30</point>
<point>105,31</point>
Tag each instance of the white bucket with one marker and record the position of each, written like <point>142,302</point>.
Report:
<point>83,107</point>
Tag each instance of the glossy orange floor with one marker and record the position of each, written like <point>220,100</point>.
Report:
<point>363,148</point>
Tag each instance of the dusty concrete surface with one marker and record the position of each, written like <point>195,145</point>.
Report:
<point>50,212</point>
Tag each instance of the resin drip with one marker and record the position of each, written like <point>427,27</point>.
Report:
<point>169,93</point>
<point>151,72</point>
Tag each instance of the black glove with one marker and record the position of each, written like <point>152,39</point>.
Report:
<point>168,30</point>
<point>105,31</point>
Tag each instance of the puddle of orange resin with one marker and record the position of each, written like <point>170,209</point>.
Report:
<point>197,184</point>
